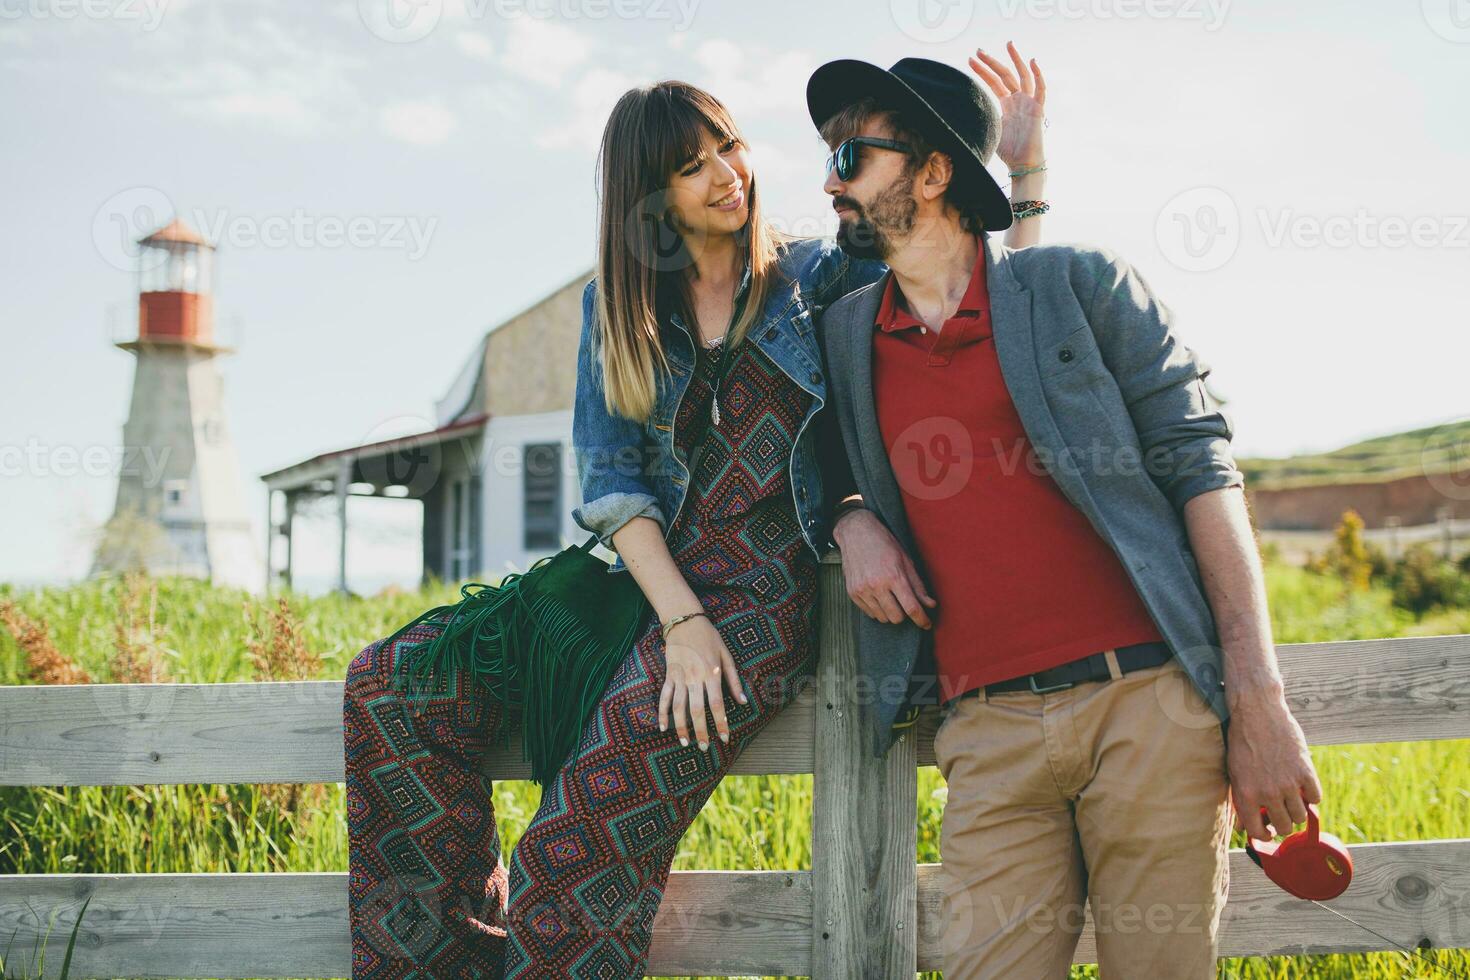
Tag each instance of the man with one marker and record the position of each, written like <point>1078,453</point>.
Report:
<point>1030,442</point>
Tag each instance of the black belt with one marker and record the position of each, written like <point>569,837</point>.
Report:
<point>1093,667</point>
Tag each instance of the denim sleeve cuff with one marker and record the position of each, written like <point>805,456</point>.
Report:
<point>611,511</point>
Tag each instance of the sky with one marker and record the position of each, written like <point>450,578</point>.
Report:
<point>387,179</point>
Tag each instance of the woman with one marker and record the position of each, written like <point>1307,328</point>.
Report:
<point>699,328</point>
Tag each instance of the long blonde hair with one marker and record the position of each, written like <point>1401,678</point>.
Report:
<point>642,263</point>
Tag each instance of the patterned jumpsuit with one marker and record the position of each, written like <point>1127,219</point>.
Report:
<point>428,894</point>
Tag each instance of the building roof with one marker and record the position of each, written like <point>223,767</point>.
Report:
<point>176,231</point>
<point>324,464</point>
<point>461,410</point>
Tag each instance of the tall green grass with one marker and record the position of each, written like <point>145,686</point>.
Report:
<point>197,633</point>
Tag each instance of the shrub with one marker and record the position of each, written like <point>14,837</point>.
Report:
<point>1348,556</point>
<point>1424,580</point>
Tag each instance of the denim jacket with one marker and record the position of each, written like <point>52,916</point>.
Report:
<point>629,469</point>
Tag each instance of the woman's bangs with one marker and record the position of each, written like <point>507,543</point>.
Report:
<point>688,116</point>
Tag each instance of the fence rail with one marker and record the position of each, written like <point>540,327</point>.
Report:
<point>865,909</point>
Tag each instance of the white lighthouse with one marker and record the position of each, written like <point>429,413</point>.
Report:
<point>180,503</point>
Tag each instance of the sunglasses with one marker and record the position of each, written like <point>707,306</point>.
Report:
<point>845,157</point>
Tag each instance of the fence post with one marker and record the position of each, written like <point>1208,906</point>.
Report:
<point>864,821</point>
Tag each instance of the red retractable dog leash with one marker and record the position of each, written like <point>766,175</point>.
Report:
<point>1309,864</point>
<point>1314,865</point>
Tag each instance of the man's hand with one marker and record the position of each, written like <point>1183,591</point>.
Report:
<point>880,577</point>
<point>1267,754</point>
<point>1022,98</point>
<point>1269,767</point>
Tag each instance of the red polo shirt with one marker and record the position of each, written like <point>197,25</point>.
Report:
<point>1024,581</point>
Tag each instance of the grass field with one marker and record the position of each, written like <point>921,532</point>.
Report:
<point>135,630</point>
<point>1433,449</point>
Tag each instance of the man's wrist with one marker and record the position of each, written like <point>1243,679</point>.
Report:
<point>844,511</point>
<point>1254,692</point>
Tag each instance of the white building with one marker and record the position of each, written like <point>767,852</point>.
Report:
<point>496,477</point>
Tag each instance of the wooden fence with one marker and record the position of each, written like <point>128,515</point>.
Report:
<point>866,909</point>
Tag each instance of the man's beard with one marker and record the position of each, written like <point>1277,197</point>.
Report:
<point>891,214</point>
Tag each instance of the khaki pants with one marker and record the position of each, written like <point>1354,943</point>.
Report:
<point>1114,792</point>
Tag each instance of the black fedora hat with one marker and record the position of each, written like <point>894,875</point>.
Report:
<point>944,104</point>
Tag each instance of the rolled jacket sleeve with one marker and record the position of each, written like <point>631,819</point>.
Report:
<point>614,458</point>
<point>1182,429</point>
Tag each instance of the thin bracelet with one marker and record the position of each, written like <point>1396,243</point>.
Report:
<point>665,627</point>
<point>1027,170</point>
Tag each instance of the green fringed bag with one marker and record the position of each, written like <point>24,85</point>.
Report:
<point>544,643</point>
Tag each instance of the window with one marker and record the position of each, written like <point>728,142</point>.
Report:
<point>541,491</point>
<point>459,535</point>
<point>175,495</point>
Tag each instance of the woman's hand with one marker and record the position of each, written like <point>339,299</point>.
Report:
<point>696,659</point>
<point>1022,97</point>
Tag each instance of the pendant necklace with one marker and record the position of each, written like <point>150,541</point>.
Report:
<point>726,357</point>
<point>714,402</point>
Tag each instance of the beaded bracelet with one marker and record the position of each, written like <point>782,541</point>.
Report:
<point>1027,209</point>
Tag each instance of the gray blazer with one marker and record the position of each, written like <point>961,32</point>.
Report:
<point>1115,407</point>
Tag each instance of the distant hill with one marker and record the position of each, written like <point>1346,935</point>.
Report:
<point>1435,449</point>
